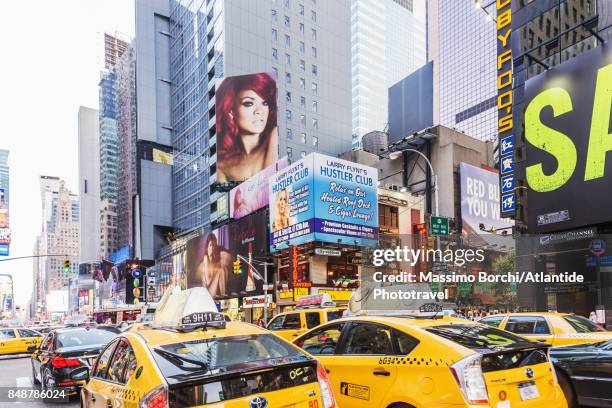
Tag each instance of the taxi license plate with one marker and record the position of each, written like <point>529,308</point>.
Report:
<point>528,390</point>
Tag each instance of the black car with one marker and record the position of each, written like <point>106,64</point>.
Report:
<point>585,373</point>
<point>65,356</point>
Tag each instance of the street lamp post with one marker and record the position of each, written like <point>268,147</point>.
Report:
<point>264,278</point>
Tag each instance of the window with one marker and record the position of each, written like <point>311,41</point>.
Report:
<point>274,16</point>
<point>275,72</point>
<point>101,367</point>
<point>288,59</point>
<point>292,322</point>
<point>302,47</point>
<point>123,360</point>
<point>303,65</point>
<point>370,339</point>
<point>287,40</point>
<point>405,343</point>
<point>288,114</point>
<point>27,333</point>
<point>527,325</point>
<point>312,319</point>
<point>582,324</point>
<point>315,88</point>
<point>314,52</point>
<point>322,341</point>
<point>301,9</point>
<point>314,34</point>
<point>315,106</point>
<point>388,217</point>
<point>276,323</point>
<point>314,70</point>
<point>313,15</point>
<point>288,77</point>
<point>287,21</point>
<point>303,154</point>
<point>289,134</point>
<point>315,141</point>
<point>303,120</point>
<point>315,123</point>
<point>302,28</point>
<point>303,135</point>
<point>334,314</point>
<point>302,83</point>
<point>6,334</point>
<point>288,96</point>
<point>492,321</point>
<point>274,34</point>
<point>289,152</point>
<point>286,3</point>
<point>303,102</point>
<point>274,53</point>
<point>47,342</point>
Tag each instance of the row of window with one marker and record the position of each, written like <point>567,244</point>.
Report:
<point>303,138</point>
<point>287,19</point>
<point>301,48</point>
<point>290,153</point>
<point>313,34</point>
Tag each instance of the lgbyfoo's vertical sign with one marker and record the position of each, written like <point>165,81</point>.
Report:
<point>504,107</point>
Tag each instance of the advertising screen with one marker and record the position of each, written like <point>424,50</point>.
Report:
<point>566,122</point>
<point>480,193</point>
<point>209,258</point>
<point>326,199</point>
<point>246,127</point>
<point>252,195</point>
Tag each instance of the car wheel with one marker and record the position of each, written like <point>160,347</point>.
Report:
<point>34,379</point>
<point>568,390</point>
<point>400,405</point>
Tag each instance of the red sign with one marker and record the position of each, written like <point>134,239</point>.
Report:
<point>307,284</point>
<point>294,263</point>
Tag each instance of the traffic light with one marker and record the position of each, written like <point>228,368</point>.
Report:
<point>237,267</point>
<point>66,266</point>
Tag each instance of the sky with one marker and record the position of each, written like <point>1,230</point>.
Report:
<point>53,53</point>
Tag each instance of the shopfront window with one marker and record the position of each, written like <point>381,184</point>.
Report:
<point>342,275</point>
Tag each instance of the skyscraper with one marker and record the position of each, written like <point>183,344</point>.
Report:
<point>388,42</point>
<point>462,45</point>
<point>306,44</point>
<point>114,47</point>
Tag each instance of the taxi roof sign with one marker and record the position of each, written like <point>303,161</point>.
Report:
<point>190,307</point>
<point>317,300</point>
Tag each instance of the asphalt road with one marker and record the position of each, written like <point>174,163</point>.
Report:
<point>17,372</point>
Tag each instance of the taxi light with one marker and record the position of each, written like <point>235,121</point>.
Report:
<point>65,384</point>
<point>502,395</point>
<point>468,375</point>
<point>326,388</point>
<point>61,362</point>
<point>156,398</point>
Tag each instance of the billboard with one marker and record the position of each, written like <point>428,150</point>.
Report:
<point>209,258</point>
<point>4,250</point>
<point>4,218</point>
<point>566,122</point>
<point>252,195</point>
<point>246,126</point>
<point>323,198</point>
<point>480,192</point>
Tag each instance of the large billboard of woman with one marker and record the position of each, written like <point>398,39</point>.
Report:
<point>246,127</point>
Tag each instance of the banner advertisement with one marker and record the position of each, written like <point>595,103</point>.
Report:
<point>252,195</point>
<point>209,258</point>
<point>246,126</point>
<point>480,192</point>
<point>566,125</point>
<point>326,199</point>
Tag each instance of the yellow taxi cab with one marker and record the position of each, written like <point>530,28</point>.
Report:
<point>190,356</point>
<point>18,340</point>
<point>310,312</point>
<point>556,329</point>
<point>397,361</point>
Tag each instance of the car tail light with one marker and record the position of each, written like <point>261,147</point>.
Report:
<point>156,398</point>
<point>468,375</point>
<point>61,362</point>
<point>326,388</point>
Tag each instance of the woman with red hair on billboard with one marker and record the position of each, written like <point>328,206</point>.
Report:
<point>246,126</point>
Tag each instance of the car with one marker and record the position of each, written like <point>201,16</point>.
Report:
<point>191,356</point>
<point>18,340</point>
<point>310,312</point>
<point>400,361</point>
<point>585,373</point>
<point>66,354</point>
<point>556,329</point>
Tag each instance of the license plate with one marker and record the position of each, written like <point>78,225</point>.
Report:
<point>528,390</point>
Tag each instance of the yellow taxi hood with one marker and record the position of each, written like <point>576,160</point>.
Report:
<point>158,336</point>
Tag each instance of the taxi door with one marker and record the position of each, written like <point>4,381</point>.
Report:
<point>27,338</point>
<point>358,361</point>
<point>9,344</point>
<point>98,392</point>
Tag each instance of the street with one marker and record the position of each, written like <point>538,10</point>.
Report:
<point>17,372</point>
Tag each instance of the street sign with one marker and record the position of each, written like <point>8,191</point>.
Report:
<point>597,247</point>
<point>439,225</point>
<point>327,252</point>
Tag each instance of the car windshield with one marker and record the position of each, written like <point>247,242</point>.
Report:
<point>223,354</point>
<point>475,336</point>
<point>84,337</point>
<point>582,324</point>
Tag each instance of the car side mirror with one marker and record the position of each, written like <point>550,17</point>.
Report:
<point>80,374</point>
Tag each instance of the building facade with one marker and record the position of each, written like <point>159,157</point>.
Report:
<point>114,47</point>
<point>461,42</point>
<point>4,177</point>
<point>307,46</point>
<point>89,184</point>
<point>388,42</point>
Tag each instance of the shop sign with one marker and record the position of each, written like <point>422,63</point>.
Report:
<point>305,284</point>
<point>337,295</point>
<point>287,294</point>
<point>567,236</point>
<point>255,301</point>
<point>300,293</point>
<point>327,252</point>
